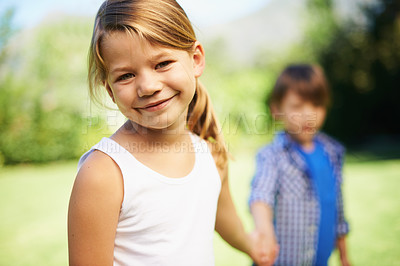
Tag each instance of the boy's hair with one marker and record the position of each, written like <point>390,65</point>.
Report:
<point>164,23</point>
<point>308,81</point>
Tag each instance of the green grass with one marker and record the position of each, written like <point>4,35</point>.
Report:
<point>34,202</point>
<point>33,211</point>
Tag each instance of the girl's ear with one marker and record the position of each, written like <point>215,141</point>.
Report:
<point>199,59</point>
<point>108,88</point>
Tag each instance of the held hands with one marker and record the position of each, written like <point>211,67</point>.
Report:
<point>264,249</point>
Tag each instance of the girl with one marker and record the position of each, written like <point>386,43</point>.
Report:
<point>152,194</point>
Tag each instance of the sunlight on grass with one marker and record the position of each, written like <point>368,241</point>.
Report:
<point>34,210</point>
<point>35,201</point>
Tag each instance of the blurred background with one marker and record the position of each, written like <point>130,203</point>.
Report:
<point>47,120</point>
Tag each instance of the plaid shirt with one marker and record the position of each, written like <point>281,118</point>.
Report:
<point>282,180</point>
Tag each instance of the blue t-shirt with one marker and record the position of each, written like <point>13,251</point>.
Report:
<point>321,172</point>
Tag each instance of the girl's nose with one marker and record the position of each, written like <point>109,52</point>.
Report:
<point>148,84</point>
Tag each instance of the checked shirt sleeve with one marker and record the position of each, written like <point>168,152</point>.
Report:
<point>264,184</point>
<point>342,227</point>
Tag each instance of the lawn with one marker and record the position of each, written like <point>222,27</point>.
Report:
<point>34,202</point>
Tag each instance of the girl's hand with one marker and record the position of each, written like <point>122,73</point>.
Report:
<point>264,249</point>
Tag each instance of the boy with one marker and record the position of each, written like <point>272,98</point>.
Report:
<point>296,197</point>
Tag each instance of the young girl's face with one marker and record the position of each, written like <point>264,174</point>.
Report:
<point>301,119</point>
<point>151,85</point>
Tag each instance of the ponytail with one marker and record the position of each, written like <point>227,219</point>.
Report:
<point>202,121</point>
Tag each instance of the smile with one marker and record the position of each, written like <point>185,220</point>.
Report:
<point>155,106</point>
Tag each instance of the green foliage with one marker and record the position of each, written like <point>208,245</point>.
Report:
<point>321,25</point>
<point>30,133</point>
<point>238,94</point>
<point>44,92</point>
<point>362,63</point>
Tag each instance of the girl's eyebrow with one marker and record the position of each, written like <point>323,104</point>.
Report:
<point>160,55</point>
<point>153,59</point>
<point>120,69</point>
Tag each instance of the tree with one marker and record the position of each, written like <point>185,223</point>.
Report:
<point>42,91</point>
<point>362,63</point>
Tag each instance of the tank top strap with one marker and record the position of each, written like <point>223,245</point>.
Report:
<point>199,145</point>
<point>203,153</point>
<point>116,152</point>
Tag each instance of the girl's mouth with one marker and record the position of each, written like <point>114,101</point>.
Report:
<point>158,105</point>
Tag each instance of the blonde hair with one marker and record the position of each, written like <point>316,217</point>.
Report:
<point>164,23</point>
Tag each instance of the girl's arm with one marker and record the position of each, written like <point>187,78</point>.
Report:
<point>230,228</point>
<point>94,208</point>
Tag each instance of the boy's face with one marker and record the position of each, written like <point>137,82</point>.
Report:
<point>301,118</point>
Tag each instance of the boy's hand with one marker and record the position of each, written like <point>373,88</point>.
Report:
<point>345,261</point>
<point>341,245</point>
<point>264,249</point>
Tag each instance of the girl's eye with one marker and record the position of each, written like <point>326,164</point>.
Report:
<point>163,64</point>
<point>126,76</point>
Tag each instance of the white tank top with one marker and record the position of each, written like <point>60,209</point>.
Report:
<point>165,221</point>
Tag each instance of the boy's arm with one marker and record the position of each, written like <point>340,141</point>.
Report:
<point>341,245</point>
<point>264,187</point>
<point>342,226</point>
<point>230,228</point>
<point>263,221</point>
<point>342,230</point>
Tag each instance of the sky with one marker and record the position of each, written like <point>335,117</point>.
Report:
<point>202,13</point>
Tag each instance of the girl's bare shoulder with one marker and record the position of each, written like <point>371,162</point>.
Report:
<point>94,207</point>
<point>100,174</point>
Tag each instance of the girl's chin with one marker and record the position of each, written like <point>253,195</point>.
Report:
<point>156,125</point>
